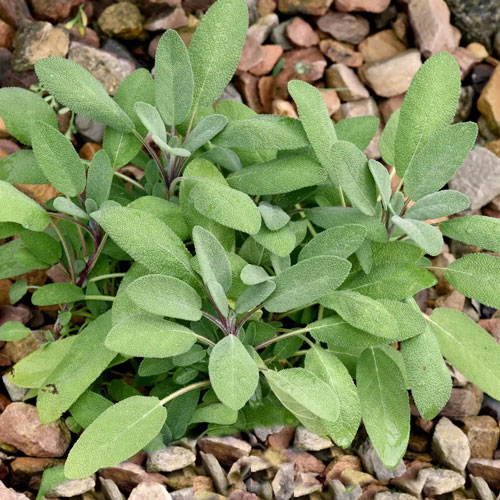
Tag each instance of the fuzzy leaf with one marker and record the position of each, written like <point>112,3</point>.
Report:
<point>349,167</point>
<point>215,49</point>
<point>205,131</point>
<point>382,180</point>
<point>151,119</point>
<point>216,413</point>
<point>359,130</point>
<point>274,217</point>
<point>223,157</point>
<point>77,89</point>
<point>13,330</point>
<point>118,433</point>
<point>280,242</point>
<point>58,159</point>
<point>424,235</point>
<point>21,167</point>
<point>362,312</point>
<point>388,138</point>
<point>218,296</point>
<point>21,108</point>
<point>306,282</point>
<point>429,106</point>
<point>149,337</point>
<point>428,375</point>
<point>474,230</point>
<point>253,275</point>
<point>57,293</point>
<point>477,276</point>
<point>85,361</point>
<point>282,175</point>
<point>212,258</point>
<point>410,322</point>
<point>99,178</point>
<point>43,246</point>
<point>121,147</point>
<point>440,204</point>
<point>385,407</point>
<point>435,163</point>
<point>233,373</point>
<point>227,206</point>
<point>328,368</point>
<point>254,295</point>
<point>88,407</point>
<point>165,296</point>
<point>173,79</point>
<point>19,208</point>
<point>66,206</point>
<point>315,119</point>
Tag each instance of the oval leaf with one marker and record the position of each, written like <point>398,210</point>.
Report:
<point>57,293</point>
<point>424,235</point>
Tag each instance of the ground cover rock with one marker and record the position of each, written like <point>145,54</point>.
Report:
<point>72,488</point>
<point>339,76</point>
<point>301,33</point>
<point>306,440</point>
<point>481,489</point>
<point>169,20</point>
<point>149,491</point>
<point>344,27</point>
<point>440,481</point>
<point>373,464</point>
<point>483,434</point>
<point>489,101</point>
<point>264,27</point>
<point>271,54</point>
<point>283,482</point>
<point>54,10</point>
<point>381,45</point>
<point>450,445</point>
<point>169,459</point>
<point>340,52</point>
<point>486,468</point>
<point>10,494</point>
<point>226,449</point>
<point>122,19</point>
<point>375,6</point>
<point>312,7</point>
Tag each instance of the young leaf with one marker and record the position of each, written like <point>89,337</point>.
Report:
<point>349,167</point>
<point>472,350</point>
<point>173,79</point>
<point>315,119</point>
<point>382,180</point>
<point>254,295</point>
<point>359,130</point>
<point>233,373</point>
<point>19,208</point>
<point>385,407</point>
<point>21,108</point>
<point>424,235</point>
<point>477,276</point>
<point>328,368</point>
<point>218,296</point>
<point>280,242</point>
<point>227,206</point>
<point>151,119</point>
<point>85,361</point>
<point>18,290</point>
<point>147,239</point>
<point>388,138</point>
<point>362,312</point>
<point>428,375</point>
<point>58,159</point>
<point>66,206</point>
<point>121,147</point>
<point>282,175</point>
<point>274,217</point>
<point>57,293</point>
<point>264,132</point>
<point>306,282</point>
<point>223,157</point>
<point>13,330</point>
<point>410,321</point>
<point>215,49</point>
<point>149,337</point>
<point>206,130</point>
<point>118,433</point>
<point>165,296</point>
<point>440,204</point>
<point>474,230</point>
<point>435,163</point>
<point>99,178</point>
<point>253,275</point>
<point>81,92</point>
<point>212,258</point>
<point>429,106</point>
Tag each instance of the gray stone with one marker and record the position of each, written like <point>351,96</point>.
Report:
<point>340,492</point>
<point>245,466</point>
<point>465,102</point>
<point>389,495</point>
<point>230,93</point>
<point>373,464</point>
<point>89,129</point>
<point>183,494</point>
<point>105,66</point>
<point>283,482</point>
<point>263,432</point>
<point>440,481</point>
<point>169,459</point>
<point>478,20</point>
<point>262,489</point>
<point>149,491</point>
<point>215,471</point>
<point>478,178</point>
<point>263,27</point>
<point>305,484</point>
<point>72,488</point>
<point>481,489</point>
<point>306,440</point>
<point>279,37</point>
<point>110,489</point>
<point>450,445</point>
<point>15,392</point>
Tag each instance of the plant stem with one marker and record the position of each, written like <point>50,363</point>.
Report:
<point>204,340</point>
<point>106,276</point>
<point>153,155</point>
<point>82,242</point>
<point>182,391</point>
<point>342,199</point>
<point>214,320</point>
<point>98,246</point>
<point>74,221</point>
<point>66,251</point>
<point>281,337</point>
<point>245,318</point>
<point>309,225</point>
<point>128,179</point>
<point>106,298</point>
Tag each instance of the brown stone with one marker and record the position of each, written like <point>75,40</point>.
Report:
<point>352,477</point>
<point>400,27</point>
<point>265,90</point>
<point>312,7</point>
<point>265,7</point>
<point>418,442</point>
<point>271,55</point>
<point>19,349</point>
<point>8,146</point>
<point>204,483</point>
<point>307,65</point>
<point>483,434</point>
<point>5,285</point>
<point>375,6</point>
<point>21,427</point>
<point>381,45</point>
<point>122,19</point>
<point>346,82</point>
<point>344,27</point>
<point>453,300</point>
<point>492,326</point>
<point>304,462</point>
<point>24,468</point>
<point>430,20</point>
<point>41,193</point>
<point>7,33</point>
<point>301,33</point>
<point>335,468</point>
<point>88,150</point>
<point>53,10</point>
<point>171,20</point>
<point>247,85</point>
<point>14,12</point>
<point>392,76</point>
<point>20,313</point>
<point>479,51</point>
<point>10,493</point>
<point>283,108</point>
<point>371,490</point>
<point>226,449</point>
<point>281,440</point>
<point>465,59</point>
<point>488,469</point>
<point>263,27</point>
<point>251,55</point>
<point>409,482</point>
<point>127,475</point>
<point>494,147</point>
<point>332,101</point>
<point>388,106</point>
<point>90,37</point>
<point>463,402</point>
<point>361,107</point>
<point>340,52</point>
<point>489,101</point>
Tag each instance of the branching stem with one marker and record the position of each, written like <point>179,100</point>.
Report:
<point>180,392</point>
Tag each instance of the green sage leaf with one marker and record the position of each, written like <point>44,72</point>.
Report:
<point>57,293</point>
<point>424,235</point>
